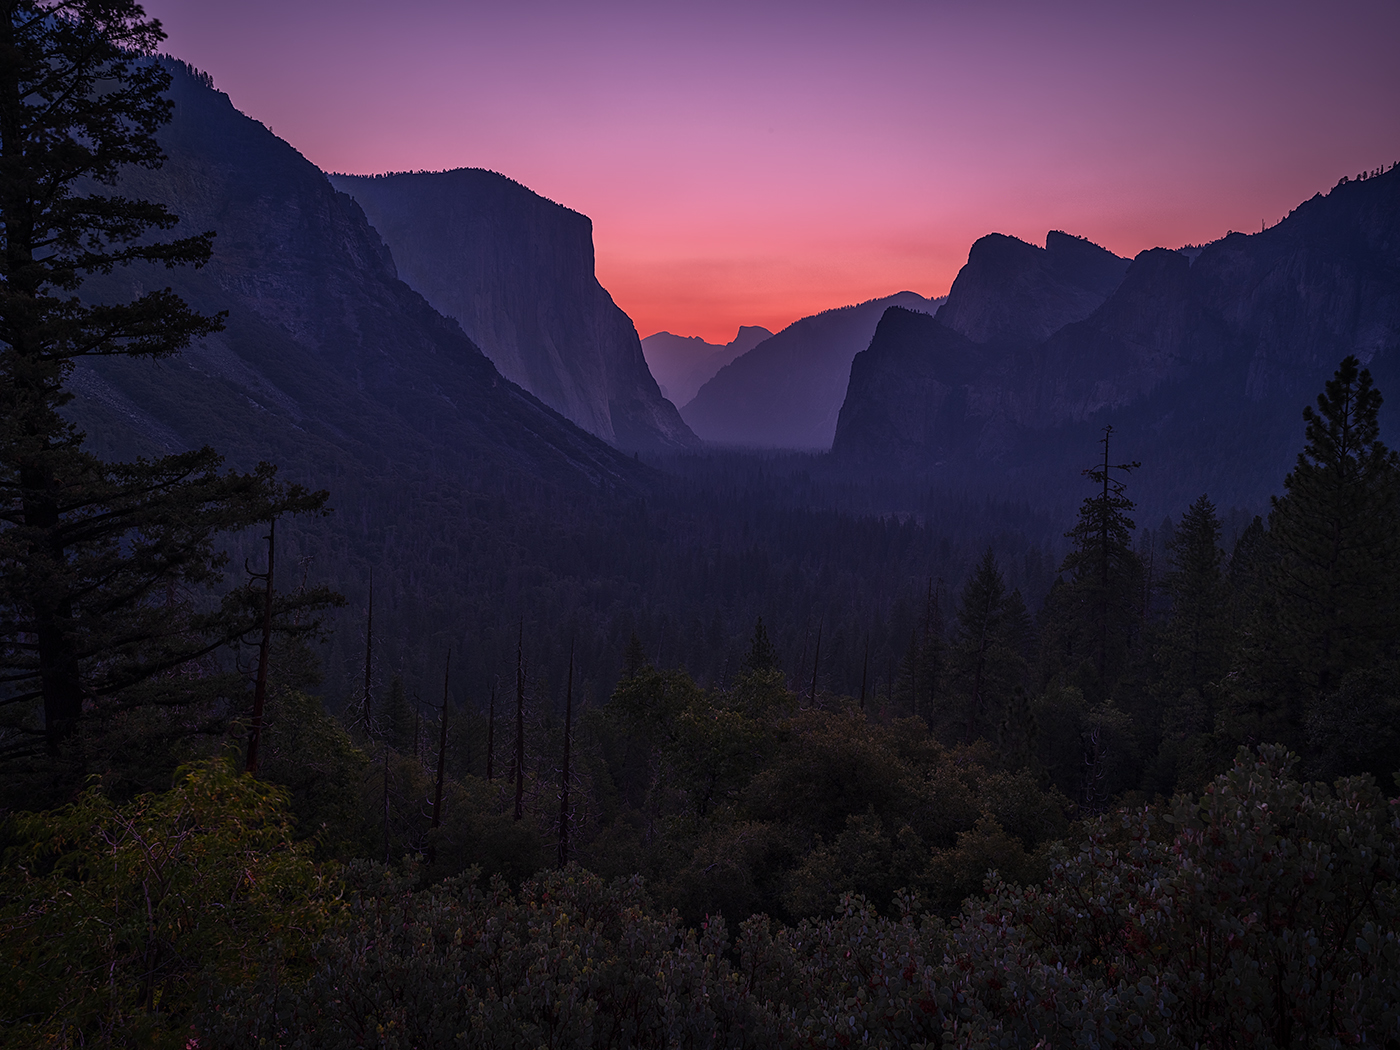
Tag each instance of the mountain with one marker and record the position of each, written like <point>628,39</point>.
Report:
<point>683,363</point>
<point>1201,358</point>
<point>1011,292</point>
<point>450,482</point>
<point>516,271</point>
<point>786,391</point>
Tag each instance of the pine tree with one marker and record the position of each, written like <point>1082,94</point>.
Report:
<point>1196,640</point>
<point>91,551</point>
<point>762,656</point>
<point>760,687</point>
<point>634,659</point>
<point>985,652</point>
<point>1190,657</point>
<point>1094,617</point>
<point>1334,532</point>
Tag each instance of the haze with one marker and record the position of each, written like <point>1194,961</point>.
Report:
<point>750,164</point>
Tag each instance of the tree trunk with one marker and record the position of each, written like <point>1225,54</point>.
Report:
<point>442,749</point>
<point>260,686</point>
<point>519,762</point>
<point>564,773</point>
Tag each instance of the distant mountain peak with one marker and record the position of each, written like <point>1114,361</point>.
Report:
<point>682,364</point>
<point>787,391</point>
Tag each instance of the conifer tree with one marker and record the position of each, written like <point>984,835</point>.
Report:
<point>89,551</point>
<point>517,765</point>
<point>1245,578</point>
<point>759,686</point>
<point>1337,546</point>
<point>986,645</point>
<point>634,659</point>
<point>1196,638</point>
<point>762,656</point>
<point>1095,615</point>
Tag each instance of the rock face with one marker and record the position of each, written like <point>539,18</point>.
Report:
<point>516,271</point>
<point>682,364</point>
<point>1201,359</point>
<point>1011,292</point>
<point>787,391</point>
<point>329,365</point>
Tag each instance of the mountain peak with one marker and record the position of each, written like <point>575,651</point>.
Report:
<point>1014,292</point>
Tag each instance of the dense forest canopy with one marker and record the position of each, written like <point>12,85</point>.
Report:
<point>744,758</point>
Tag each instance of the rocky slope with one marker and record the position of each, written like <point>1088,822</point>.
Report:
<point>682,364</point>
<point>326,354</point>
<point>1201,359</point>
<point>516,271</point>
<point>448,481</point>
<point>787,391</point>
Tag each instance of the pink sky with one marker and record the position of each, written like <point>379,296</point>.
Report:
<point>751,163</point>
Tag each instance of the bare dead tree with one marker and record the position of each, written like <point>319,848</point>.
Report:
<point>491,732</point>
<point>386,802</point>
<point>519,762</point>
<point>864,672</point>
<point>369,651</point>
<point>442,745</point>
<point>264,647</point>
<point>564,773</point>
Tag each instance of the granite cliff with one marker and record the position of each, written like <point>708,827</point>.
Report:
<point>516,271</point>
<point>786,391</point>
<point>326,354</point>
<point>1200,358</point>
<point>441,471</point>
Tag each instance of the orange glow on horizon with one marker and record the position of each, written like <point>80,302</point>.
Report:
<point>756,162</point>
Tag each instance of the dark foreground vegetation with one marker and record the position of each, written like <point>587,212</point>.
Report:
<point>1076,803</point>
<point>1262,914</point>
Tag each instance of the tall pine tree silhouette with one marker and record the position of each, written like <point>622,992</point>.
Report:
<point>89,550</point>
<point>1096,611</point>
<point>1330,601</point>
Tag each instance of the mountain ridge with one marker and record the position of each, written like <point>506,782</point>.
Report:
<point>1229,340</point>
<point>683,364</point>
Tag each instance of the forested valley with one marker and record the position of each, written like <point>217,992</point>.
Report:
<point>718,749</point>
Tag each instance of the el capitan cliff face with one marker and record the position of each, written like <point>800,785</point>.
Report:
<point>329,363</point>
<point>516,271</point>
<point>1201,359</point>
<point>451,483</point>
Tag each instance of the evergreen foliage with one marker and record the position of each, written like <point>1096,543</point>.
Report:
<point>1095,614</point>
<point>1336,582</point>
<point>95,557</point>
<point>986,649</point>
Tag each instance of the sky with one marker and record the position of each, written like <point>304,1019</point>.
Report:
<point>752,163</point>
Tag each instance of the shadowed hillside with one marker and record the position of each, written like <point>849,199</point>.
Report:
<point>786,391</point>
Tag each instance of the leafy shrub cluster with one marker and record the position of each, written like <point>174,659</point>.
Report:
<point>1265,912</point>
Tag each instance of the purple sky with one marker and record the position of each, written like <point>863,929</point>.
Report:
<point>751,163</point>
